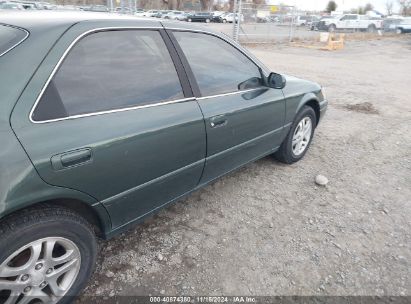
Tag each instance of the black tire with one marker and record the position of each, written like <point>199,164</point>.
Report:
<point>30,225</point>
<point>372,28</point>
<point>285,154</point>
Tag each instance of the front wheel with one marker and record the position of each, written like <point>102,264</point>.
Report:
<point>47,255</point>
<point>299,138</point>
<point>372,28</point>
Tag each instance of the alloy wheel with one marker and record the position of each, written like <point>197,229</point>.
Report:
<point>302,136</point>
<point>43,270</point>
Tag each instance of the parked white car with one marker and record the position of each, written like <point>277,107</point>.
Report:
<point>354,22</point>
<point>150,13</point>
<point>404,26</point>
<point>139,12</point>
<point>230,18</point>
<point>305,20</point>
<point>173,15</point>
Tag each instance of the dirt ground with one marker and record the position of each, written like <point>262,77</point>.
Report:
<point>268,229</point>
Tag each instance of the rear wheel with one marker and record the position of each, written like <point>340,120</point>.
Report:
<point>207,21</point>
<point>399,31</point>
<point>46,255</point>
<point>332,28</point>
<point>299,138</point>
<point>224,20</point>
<point>372,28</point>
<point>189,20</point>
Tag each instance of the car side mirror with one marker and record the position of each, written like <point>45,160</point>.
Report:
<point>276,81</point>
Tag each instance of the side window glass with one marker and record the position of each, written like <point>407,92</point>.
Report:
<point>111,70</point>
<point>218,66</point>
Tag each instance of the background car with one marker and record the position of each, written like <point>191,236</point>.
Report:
<point>122,10</point>
<point>200,17</point>
<point>404,26</point>
<point>182,17</point>
<point>139,12</point>
<point>229,17</point>
<point>219,17</point>
<point>99,8</point>
<point>150,13</point>
<point>173,15</point>
<point>321,25</point>
<point>11,6</point>
<point>312,20</point>
<point>161,14</point>
<point>302,20</point>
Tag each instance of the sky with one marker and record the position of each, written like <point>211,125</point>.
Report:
<point>342,4</point>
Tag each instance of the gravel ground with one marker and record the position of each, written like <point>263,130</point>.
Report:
<point>268,229</point>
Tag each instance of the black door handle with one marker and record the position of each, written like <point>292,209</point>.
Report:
<point>71,158</point>
<point>218,121</point>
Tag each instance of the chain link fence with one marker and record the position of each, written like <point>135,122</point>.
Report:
<point>262,23</point>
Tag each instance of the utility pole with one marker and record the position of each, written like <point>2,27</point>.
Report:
<point>291,34</point>
<point>240,9</point>
<point>234,23</point>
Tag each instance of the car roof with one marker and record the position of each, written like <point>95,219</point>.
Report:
<point>32,19</point>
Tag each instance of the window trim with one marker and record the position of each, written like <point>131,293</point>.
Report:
<point>189,71</point>
<point>104,29</point>
<point>18,43</point>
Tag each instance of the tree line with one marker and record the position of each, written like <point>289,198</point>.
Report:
<point>405,7</point>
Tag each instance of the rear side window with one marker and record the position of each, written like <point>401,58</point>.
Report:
<point>10,37</point>
<point>217,65</point>
<point>111,70</point>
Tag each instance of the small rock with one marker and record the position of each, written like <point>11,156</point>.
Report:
<point>271,225</point>
<point>109,274</point>
<point>162,291</point>
<point>321,180</point>
<point>160,257</point>
<point>112,293</point>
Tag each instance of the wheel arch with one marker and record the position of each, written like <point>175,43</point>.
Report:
<point>95,214</point>
<point>312,101</point>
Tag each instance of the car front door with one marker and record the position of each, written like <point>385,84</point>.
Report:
<point>243,117</point>
<point>352,22</point>
<point>116,120</point>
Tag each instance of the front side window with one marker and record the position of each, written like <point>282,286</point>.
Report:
<point>111,70</point>
<point>218,66</point>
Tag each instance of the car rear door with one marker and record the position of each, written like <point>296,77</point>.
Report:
<point>243,117</point>
<point>116,119</point>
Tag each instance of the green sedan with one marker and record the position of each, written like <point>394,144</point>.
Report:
<point>105,120</point>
